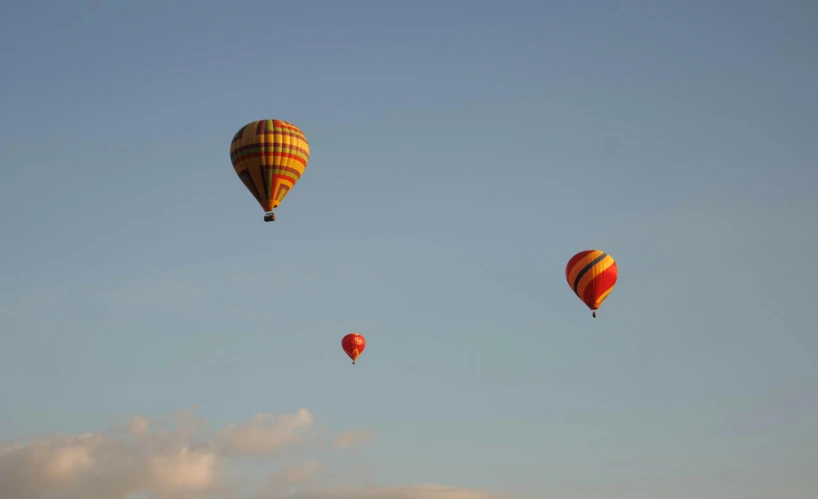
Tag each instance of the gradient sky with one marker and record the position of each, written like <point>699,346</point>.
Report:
<point>461,152</point>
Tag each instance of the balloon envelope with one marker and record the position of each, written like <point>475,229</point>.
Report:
<point>269,156</point>
<point>353,344</point>
<point>591,274</point>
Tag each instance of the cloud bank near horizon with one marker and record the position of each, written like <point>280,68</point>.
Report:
<point>177,457</point>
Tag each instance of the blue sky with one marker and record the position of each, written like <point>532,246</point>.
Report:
<point>461,152</point>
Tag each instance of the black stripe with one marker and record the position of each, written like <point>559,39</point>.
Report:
<point>238,134</point>
<point>586,269</point>
<point>251,186</point>
<point>264,172</point>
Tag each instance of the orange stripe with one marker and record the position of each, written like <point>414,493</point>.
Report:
<point>581,264</point>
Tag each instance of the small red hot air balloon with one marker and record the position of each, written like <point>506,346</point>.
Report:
<point>592,276</point>
<point>353,344</point>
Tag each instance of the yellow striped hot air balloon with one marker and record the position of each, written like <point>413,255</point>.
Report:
<point>269,156</point>
<point>592,276</point>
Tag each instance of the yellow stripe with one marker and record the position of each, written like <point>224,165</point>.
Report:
<point>292,162</point>
<point>263,161</point>
<point>592,273</point>
<point>602,297</point>
<point>281,161</point>
<point>575,270</point>
<point>290,142</point>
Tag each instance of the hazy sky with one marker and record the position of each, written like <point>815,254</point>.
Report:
<point>461,152</point>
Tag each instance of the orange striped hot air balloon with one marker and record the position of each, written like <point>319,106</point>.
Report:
<point>592,275</point>
<point>353,344</point>
<point>269,156</point>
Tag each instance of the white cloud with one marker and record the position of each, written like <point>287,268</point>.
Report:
<point>265,434</point>
<point>351,438</point>
<point>176,458</point>
<point>410,492</point>
<point>184,470</point>
<point>139,425</point>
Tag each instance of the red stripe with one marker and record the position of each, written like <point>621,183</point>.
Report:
<point>269,144</point>
<point>274,154</point>
<point>289,130</point>
<point>299,136</point>
<point>573,261</point>
<point>287,169</point>
<point>284,124</point>
<point>281,187</point>
<point>601,283</point>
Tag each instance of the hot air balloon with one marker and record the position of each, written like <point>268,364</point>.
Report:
<point>592,275</point>
<point>269,156</point>
<point>353,344</point>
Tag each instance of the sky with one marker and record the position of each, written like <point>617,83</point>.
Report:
<point>159,340</point>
